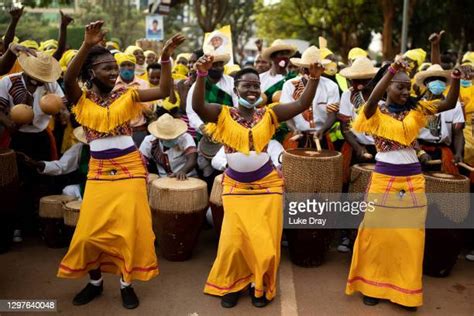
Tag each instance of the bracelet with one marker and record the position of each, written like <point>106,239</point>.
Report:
<point>165,61</point>
<point>420,153</point>
<point>456,76</point>
<point>202,74</point>
<point>313,78</point>
<point>392,70</point>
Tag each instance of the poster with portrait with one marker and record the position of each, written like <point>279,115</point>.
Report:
<point>154,27</point>
<point>219,42</point>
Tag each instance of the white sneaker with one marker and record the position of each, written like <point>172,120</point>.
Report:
<point>344,245</point>
<point>470,256</point>
<point>17,236</point>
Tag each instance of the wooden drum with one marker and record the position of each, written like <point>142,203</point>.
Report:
<point>360,177</point>
<point>151,177</point>
<point>179,208</point>
<point>51,212</point>
<point>443,246</point>
<point>9,194</point>
<point>310,171</point>
<point>215,201</point>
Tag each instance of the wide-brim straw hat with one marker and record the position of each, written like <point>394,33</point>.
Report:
<point>43,67</point>
<point>221,57</point>
<point>278,46</point>
<point>166,127</point>
<point>80,135</point>
<point>311,55</point>
<point>432,71</point>
<point>361,68</point>
<point>224,38</point>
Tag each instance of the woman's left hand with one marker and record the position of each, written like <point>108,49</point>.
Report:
<point>171,45</point>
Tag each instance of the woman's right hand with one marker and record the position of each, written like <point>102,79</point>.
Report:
<point>400,63</point>
<point>204,63</point>
<point>94,33</point>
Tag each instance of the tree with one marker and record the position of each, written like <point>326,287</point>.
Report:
<point>209,13</point>
<point>345,23</point>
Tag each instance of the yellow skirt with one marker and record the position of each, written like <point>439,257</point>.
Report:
<point>387,262</point>
<point>249,245</point>
<point>114,232</point>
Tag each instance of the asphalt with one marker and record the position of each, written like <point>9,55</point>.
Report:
<point>28,271</point>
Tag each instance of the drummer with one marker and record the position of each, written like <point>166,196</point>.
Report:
<point>317,120</point>
<point>170,148</point>
<point>252,188</point>
<point>219,162</point>
<point>74,161</point>
<point>443,131</point>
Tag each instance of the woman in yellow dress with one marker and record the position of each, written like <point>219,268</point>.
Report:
<point>249,244</point>
<point>388,252</point>
<point>114,233</point>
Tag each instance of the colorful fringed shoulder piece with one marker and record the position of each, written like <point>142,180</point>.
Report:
<point>105,119</point>
<point>383,125</point>
<point>237,137</point>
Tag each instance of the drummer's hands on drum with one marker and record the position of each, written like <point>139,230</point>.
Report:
<point>179,175</point>
<point>457,159</point>
<point>424,158</point>
<point>30,162</point>
<point>362,153</point>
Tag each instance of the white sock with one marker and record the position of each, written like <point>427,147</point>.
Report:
<point>96,282</point>
<point>124,284</point>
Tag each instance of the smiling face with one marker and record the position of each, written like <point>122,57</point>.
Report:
<point>398,91</point>
<point>154,76</point>
<point>248,87</point>
<point>139,56</point>
<point>216,41</point>
<point>105,71</point>
<point>151,59</point>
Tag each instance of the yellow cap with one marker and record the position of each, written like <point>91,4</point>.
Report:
<point>356,52</point>
<point>325,52</point>
<point>417,55</point>
<point>30,44</point>
<point>66,59</point>
<point>123,57</point>
<point>131,49</point>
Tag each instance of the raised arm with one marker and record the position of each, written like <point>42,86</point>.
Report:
<point>286,111</point>
<point>435,39</point>
<point>208,112</point>
<point>93,36</point>
<point>450,101</point>
<point>65,21</point>
<point>163,90</point>
<point>8,59</point>
<point>16,14</point>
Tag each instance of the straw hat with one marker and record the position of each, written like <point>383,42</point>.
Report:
<point>432,71</point>
<point>166,127</point>
<point>221,57</point>
<point>80,135</point>
<point>220,35</point>
<point>278,46</point>
<point>43,67</point>
<point>311,55</point>
<point>361,68</point>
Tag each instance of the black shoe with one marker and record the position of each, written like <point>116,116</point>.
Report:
<point>87,294</point>
<point>258,301</point>
<point>409,308</point>
<point>129,298</point>
<point>230,300</point>
<point>370,301</point>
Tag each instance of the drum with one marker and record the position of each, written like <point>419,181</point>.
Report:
<point>215,201</point>
<point>179,208</point>
<point>151,177</point>
<point>51,213</point>
<point>310,171</point>
<point>360,177</point>
<point>443,246</point>
<point>71,217</point>
<point>9,193</point>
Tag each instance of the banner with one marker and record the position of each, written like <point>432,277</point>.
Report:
<point>219,42</point>
<point>154,27</point>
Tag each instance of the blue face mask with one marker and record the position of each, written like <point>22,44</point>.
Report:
<point>249,105</point>
<point>169,143</point>
<point>437,87</point>
<point>127,74</point>
<point>466,83</point>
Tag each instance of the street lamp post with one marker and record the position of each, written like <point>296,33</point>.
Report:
<point>405,26</point>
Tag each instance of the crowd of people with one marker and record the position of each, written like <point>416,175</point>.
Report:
<point>124,114</point>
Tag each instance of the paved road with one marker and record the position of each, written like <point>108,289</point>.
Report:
<point>28,271</point>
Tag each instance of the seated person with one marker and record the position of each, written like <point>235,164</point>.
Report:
<point>170,148</point>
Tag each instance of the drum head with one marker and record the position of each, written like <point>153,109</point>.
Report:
<point>443,175</point>
<point>6,151</point>
<point>174,184</point>
<point>57,199</point>
<point>313,153</point>
<point>74,205</point>
<point>367,166</point>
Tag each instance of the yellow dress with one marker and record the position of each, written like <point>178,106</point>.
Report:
<point>467,100</point>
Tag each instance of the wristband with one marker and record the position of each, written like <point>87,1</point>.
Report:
<point>165,61</point>
<point>313,78</point>
<point>202,74</point>
<point>392,70</point>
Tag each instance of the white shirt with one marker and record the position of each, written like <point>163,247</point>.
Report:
<point>225,84</point>
<point>176,155</point>
<point>219,162</point>
<point>445,128</point>
<point>69,162</point>
<point>348,109</point>
<point>40,119</point>
<point>267,80</point>
<point>326,93</point>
